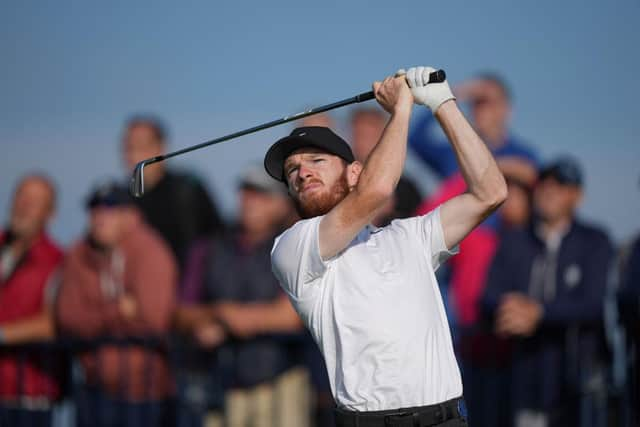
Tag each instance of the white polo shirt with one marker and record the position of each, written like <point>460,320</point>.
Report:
<point>376,312</point>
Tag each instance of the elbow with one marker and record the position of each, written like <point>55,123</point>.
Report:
<point>500,195</point>
<point>496,197</point>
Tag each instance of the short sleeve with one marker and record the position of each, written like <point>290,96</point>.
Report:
<point>434,236</point>
<point>295,257</point>
<point>428,228</point>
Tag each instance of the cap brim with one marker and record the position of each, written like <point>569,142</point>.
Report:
<point>278,153</point>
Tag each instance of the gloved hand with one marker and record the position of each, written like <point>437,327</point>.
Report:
<point>431,95</point>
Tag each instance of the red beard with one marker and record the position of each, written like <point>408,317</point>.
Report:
<point>322,203</point>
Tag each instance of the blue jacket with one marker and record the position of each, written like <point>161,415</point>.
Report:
<point>629,295</point>
<point>554,363</point>
<point>439,155</point>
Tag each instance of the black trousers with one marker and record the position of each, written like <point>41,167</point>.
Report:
<point>451,413</point>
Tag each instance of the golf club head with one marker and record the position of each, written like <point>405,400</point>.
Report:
<point>136,185</point>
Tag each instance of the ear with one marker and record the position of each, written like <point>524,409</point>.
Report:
<point>577,195</point>
<point>353,173</point>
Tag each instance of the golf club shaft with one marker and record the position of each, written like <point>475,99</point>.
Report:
<point>434,77</point>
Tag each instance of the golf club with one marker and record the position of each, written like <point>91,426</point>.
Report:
<point>136,186</point>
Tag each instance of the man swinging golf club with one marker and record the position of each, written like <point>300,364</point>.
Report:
<point>369,295</point>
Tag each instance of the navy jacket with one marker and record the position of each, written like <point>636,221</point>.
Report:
<point>552,365</point>
<point>629,295</point>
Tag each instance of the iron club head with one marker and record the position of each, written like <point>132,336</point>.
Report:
<point>136,185</point>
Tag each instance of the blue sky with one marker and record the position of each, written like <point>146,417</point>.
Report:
<point>73,71</point>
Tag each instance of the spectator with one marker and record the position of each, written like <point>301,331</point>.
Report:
<point>29,383</point>
<point>490,100</point>
<point>545,292</point>
<point>629,309</point>
<point>119,282</point>
<point>481,354</point>
<point>320,119</point>
<point>176,205</point>
<point>469,268</point>
<point>231,291</point>
<point>367,125</point>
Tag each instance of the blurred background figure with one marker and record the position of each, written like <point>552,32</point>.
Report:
<point>176,205</point>
<point>367,125</point>
<point>481,354</point>
<point>232,301</point>
<point>321,119</point>
<point>119,282</point>
<point>545,292</point>
<point>629,312</point>
<point>29,259</point>
<point>484,355</point>
<point>489,99</point>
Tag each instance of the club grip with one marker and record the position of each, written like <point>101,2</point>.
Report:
<point>437,76</point>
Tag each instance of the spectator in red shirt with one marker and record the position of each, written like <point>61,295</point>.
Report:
<point>29,382</point>
<point>119,282</point>
<point>480,353</point>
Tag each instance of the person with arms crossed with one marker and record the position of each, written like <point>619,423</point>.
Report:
<point>369,295</point>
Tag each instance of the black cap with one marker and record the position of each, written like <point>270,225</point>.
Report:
<point>110,193</point>
<point>565,170</point>
<point>310,136</point>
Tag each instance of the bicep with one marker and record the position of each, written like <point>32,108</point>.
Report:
<point>459,216</point>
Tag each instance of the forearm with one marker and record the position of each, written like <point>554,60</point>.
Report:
<point>37,328</point>
<point>187,317</point>
<point>384,165</point>
<point>276,317</point>
<point>479,169</point>
<point>148,320</point>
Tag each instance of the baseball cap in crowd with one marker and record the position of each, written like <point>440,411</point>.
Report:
<point>256,178</point>
<point>565,170</point>
<point>110,193</point>
<point>310,136</point>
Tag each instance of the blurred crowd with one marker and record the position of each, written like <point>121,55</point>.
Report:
<point>164,314</point>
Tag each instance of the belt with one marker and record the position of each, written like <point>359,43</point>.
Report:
<point>421,416</point>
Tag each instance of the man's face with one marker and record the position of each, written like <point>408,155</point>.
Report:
<point>317,180</point>
<point>366,131</point>
<point>140,143</point>
<point>108,225</point>
<point>516,209</point>
<point>490,109</point>
<point>554,201</point>
<point>261,211</point>
<point>32,208</point>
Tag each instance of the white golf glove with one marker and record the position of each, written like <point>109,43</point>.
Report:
<point>431,95</point>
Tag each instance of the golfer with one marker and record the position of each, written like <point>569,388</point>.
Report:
<point>369,295</point>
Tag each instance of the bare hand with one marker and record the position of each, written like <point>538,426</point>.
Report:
<point>518,315</point>
<point>209,335</point>
<point>393,94</point>
<point>239,319</point>
<point>128,306</point>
